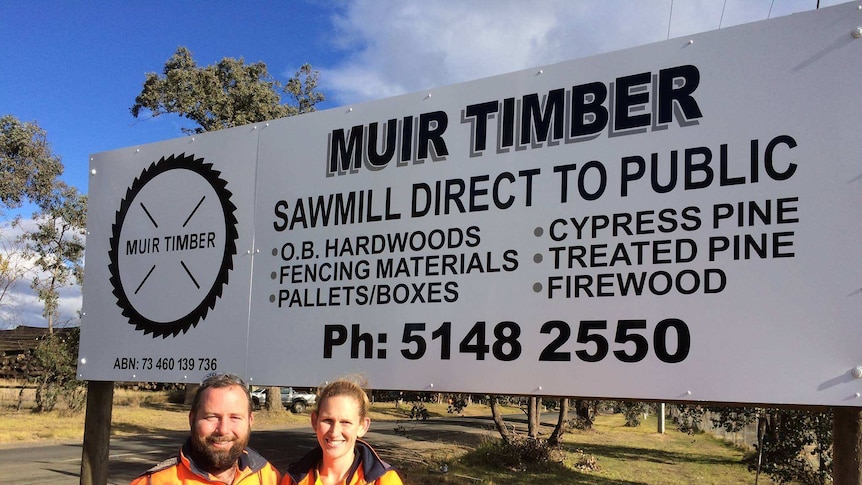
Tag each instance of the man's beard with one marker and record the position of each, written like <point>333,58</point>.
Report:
<point>216,461</point>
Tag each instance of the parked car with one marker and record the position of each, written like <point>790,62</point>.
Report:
<point>291,399</point>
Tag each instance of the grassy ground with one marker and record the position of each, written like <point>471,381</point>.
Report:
<point>610,453</point>
<point>134,412</point>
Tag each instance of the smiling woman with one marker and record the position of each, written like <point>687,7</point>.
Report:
<point>340,421</point>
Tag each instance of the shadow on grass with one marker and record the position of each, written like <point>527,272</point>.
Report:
<point>134,429</point>
<point>566,476</point>
<point>166,406</point>
<point>543,474</point>
<point>467,431</point>
<point>393,412</point>
<point>646,454</point>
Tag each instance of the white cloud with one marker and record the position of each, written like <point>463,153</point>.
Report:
<point>21,306</point>
<point>393,47</point>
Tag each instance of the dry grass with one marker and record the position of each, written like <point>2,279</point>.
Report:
<point>134,412</point>
<point>138,412</point>
<point>627,454</point>
<point>623,455</point>
<point>617,455</point>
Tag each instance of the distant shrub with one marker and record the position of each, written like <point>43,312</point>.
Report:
<point>584,462</point>
<point>633,412</point>
<point>520,454</point>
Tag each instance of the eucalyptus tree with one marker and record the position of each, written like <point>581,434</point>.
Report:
<point>28,173</point>
<point>228,93</point>
<point>56,246</point>
<point>28,166</point>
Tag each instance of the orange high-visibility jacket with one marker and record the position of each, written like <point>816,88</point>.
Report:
<point>367,469</point>
<point>253,470</point>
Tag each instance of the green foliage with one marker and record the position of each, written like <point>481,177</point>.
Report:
<point>57,245</point>
<point>12,270</point>
<point>690,418</point>
<point>796,444</point>
<point>733,420</point>
<point>456,405</point>
<point>419,412</point>
<point>226,94</point>
<point>56,358</point>
<point>28,167</point>
<point>28,173</point>
<point>633,412</point>
<point>585,414</point>
<point>797,447</point>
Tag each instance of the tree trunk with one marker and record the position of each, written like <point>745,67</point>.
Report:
<point>761,433</point>
<point>20,398</point>
<point>533,417</point>
<point>40,404</point>
<point>498,421</point>
<point>585,412</point>
<point>562,423</point>
<point>273,400</point>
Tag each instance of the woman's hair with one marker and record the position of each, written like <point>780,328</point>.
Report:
<point>351,387</point>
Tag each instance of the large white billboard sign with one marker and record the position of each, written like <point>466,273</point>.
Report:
<point>678,221</point>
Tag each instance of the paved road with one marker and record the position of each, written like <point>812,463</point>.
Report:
<point>60,463</point>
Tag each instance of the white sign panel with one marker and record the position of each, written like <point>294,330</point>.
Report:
<point>676,221</point>
<point>170,232</point>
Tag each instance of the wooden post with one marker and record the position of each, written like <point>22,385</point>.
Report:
<point>97,433</point>
<point>847,446</point>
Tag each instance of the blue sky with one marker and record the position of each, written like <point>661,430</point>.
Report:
<point>75,67</point>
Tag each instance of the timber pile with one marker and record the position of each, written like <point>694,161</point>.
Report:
<point>16,345</point>
<point>16,367</point>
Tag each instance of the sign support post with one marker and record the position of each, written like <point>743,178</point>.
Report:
<point>847,446</point>
<point>97,433</point>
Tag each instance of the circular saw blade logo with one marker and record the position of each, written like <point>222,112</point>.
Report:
<point>172,245</point>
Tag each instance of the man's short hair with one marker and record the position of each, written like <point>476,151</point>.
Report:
<point>219,381</point>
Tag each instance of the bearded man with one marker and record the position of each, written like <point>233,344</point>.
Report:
<point>217,450</point>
